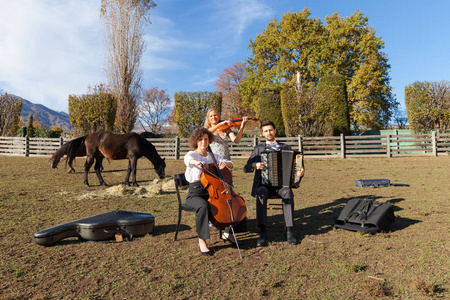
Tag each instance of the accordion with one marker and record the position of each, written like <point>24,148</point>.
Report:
<point>281,168</point>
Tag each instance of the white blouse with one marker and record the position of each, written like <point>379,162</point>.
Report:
<point>193,172</point>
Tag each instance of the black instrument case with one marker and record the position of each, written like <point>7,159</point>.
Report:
<point>372,182</point>
<point>99,227</point>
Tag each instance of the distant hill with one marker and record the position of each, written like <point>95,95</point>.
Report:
<point>45,115</point>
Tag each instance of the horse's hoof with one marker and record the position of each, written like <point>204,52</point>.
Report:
<point>104,184</point>
<point>86,184</point>
<point>135,184</point>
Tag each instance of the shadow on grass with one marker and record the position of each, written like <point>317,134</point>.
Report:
<point>320,219</point>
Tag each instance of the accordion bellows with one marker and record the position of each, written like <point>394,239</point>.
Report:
<point>281,168</point>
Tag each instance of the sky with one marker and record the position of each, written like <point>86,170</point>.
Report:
<point>50,49</point>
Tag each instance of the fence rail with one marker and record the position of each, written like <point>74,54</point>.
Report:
<point>315,147</point>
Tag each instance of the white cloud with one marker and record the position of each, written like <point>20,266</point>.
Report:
<point>50,49</point>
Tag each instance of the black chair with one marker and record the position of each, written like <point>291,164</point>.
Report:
<point>274,205</point>
<point>180,181</point>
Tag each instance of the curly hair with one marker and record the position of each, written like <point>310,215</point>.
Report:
<point>196,135</point>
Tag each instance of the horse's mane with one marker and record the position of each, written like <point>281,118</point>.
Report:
<point>152,148</point>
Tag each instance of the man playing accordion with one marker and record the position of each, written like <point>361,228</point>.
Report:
<point>262,192</point>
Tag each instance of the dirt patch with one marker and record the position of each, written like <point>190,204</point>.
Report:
<point>154,188</point>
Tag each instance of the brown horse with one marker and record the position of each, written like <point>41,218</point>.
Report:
<point>71,149</point>
<point>129,146</point>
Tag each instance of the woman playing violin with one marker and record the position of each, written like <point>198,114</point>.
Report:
<point>219,143</point>
<point>197,198</point>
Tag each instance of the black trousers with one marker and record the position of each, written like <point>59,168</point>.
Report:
<point>263,192</point>
<point>197,201</point>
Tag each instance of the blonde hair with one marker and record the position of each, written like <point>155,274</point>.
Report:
<point>207,122</point>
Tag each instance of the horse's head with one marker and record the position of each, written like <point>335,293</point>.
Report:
<point>160,169</point>
<point>55,160</point>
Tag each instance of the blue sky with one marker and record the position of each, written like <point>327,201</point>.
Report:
<point>50,49</point>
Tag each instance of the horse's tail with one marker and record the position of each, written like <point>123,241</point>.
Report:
<point>73,146</point>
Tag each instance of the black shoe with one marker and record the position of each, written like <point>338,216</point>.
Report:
<point>262,240</point>
<point>291,238</point>
<point>207,253</point>
<point>231,241</point>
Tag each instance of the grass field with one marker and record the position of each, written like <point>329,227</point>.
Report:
<point>411,261</point>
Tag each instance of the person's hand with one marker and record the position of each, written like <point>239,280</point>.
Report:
<point>244,120</point>
<point>222,165</point>
<point>259,166</point>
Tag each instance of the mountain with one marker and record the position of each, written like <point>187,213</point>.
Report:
<point>45,115</point>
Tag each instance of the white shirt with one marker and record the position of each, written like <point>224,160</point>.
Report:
<point>274,146</point>
<point>193,172</point>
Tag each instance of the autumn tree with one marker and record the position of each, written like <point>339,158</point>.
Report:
<point>154,109</point>
<point>428,105</point>
<point>228,84</point>
<point>93,111</point>
<point>191,108</point>
<point>281,51</point>
<point>354,51</point>
<point>125,22</point>
<point>10,110</point>
<point>301,44</point>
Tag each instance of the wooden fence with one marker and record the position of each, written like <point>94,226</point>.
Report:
<point>342,146</point>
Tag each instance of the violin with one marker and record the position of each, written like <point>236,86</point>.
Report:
<point>227,207</point>
<point>236,122</point>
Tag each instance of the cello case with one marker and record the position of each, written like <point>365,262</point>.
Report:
<point>99,227</point>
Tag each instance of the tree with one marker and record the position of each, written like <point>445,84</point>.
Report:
<point>354,51</point>
<point>125,22</point>
<point>400,118</point>
<point>269,104</point>
<point>154,110</point>
<point>284,49</point>
<point>228,84</point>
<point>93,111</point>
<point>428,105</point>
<point>300,44</point>
<point>30,126</point>
<point>191,108</point>
<point>333,104</point>
<point>10,110</point>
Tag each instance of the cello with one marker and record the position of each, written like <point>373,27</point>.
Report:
<point>227,207</point>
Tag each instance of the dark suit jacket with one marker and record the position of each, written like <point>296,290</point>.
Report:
<point>256,157</point>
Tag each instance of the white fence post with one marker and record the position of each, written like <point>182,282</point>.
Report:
<point>433,142</point>
<point>388,145</point>
<point>300,144</point>
<point>342,146</point>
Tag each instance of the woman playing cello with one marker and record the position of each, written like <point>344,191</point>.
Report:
<point>198,196</point>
